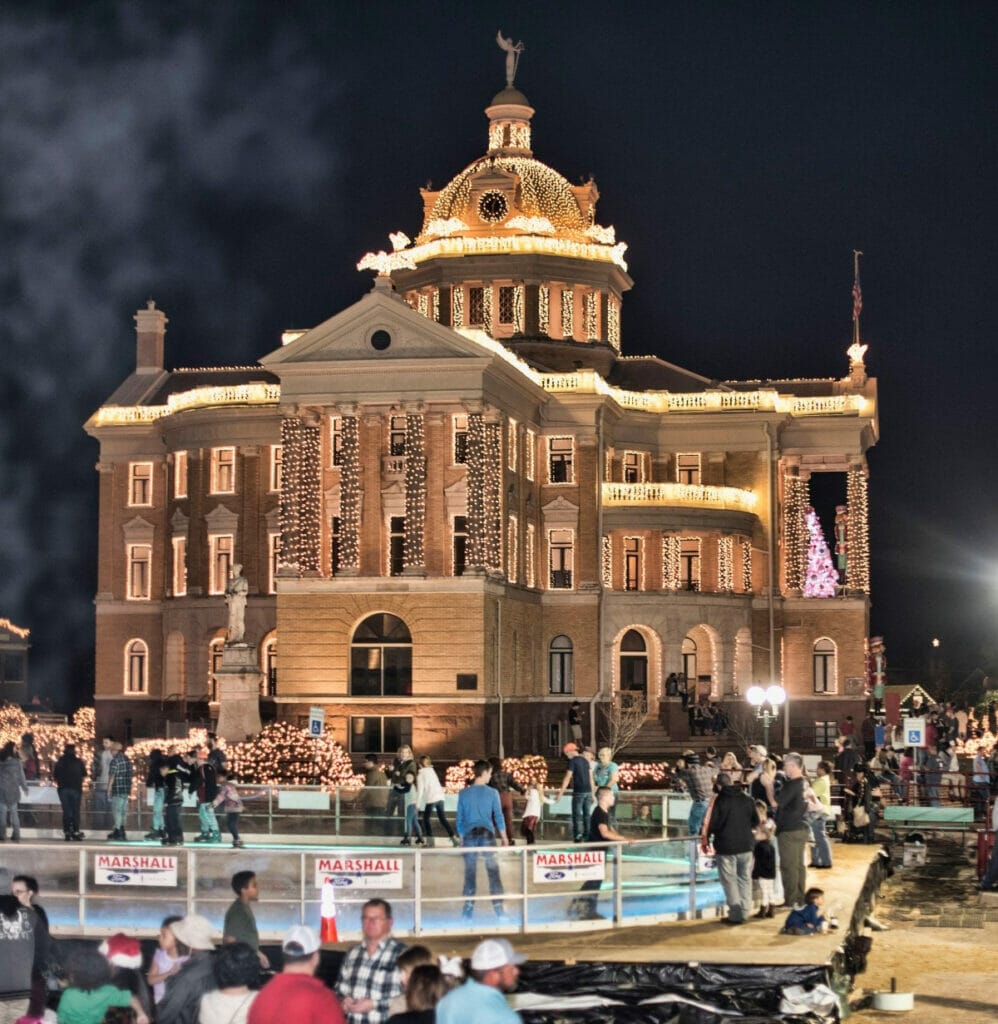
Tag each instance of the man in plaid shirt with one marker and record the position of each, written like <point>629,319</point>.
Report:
<point>119,789</point>
<point>369,978</point>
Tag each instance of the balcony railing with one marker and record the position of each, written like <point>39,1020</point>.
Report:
<point>693,495</point>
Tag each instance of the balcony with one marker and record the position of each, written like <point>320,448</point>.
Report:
<point>731,499</point>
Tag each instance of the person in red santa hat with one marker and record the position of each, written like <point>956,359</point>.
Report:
<point>124,954</point>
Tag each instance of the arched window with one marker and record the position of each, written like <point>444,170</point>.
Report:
<point>136,667</point>
<point>215,651</point>
<point>268,665</point>
<point>633,666</point>
<point>381,658</point>
<point>690,662</point>
<point>561,678</point>
<point>824,665</point>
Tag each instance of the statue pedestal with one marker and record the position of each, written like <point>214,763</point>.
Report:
<point>238,679</point>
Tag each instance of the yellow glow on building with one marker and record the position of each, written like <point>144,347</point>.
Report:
<point>196,398</point>
<point>616,495</point>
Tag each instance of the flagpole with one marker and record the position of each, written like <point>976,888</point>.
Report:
<point>857,296</point>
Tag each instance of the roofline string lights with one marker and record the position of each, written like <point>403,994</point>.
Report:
<point>350,495</point>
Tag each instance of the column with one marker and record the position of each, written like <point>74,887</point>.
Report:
<point>413,544</point>
<point>858,536</point>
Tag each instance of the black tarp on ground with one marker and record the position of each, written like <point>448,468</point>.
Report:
<point>708,993</point>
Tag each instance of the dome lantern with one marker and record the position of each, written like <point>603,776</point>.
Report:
<point>509,116</point>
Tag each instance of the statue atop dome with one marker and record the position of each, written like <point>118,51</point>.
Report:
<point>513,51</point>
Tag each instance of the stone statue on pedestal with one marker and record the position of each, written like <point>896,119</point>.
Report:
<point>235,597</point>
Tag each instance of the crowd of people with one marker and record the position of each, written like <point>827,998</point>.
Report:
<point>190,978</point>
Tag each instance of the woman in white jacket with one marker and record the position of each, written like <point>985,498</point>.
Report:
<point>430,797</point>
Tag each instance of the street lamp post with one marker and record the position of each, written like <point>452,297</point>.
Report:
<point>767,704</point>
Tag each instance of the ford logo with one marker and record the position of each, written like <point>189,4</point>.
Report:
<point>554,876</point>
<point>342,882</point>
<point>118,877</point>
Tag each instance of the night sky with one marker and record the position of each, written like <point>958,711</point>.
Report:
<point>234,160</point>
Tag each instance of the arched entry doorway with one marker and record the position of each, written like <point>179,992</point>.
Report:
<point>632,667</point>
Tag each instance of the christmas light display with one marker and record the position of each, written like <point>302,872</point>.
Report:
<point>671,551</point>
<point>415,491</point>
<point>605,236</point>
<point>518,306</point>
<point>435,304</point>
<point>821,579</point>
<point>544,309</point>
<point>695,495</point>
<point>309,498</point>
<point>49,739</point>
<point>606,562</point>
<point>195,398</point>
<point>423,304</point>
<point>288,518</point>
<point>512,549</point>
<point>350,495</point>
<point>487,320</point>
<point>858,565</point>
<point>795,503</point>
<point>493,496</point>
<point>747,566</point>
<point>476,492</point>
<point>457,307</point>
<point>532,225</point>
<point>443,228</point>
<point>284,754</point>
<point>399,240</point>
<point>530,555</point>
<point>726,564</point>
<point>567,312</point>
<point>613,322</point>
<point>590,303</point>
<point>383,263</point>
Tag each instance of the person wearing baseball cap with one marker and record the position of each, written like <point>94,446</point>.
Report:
<point>182,1001</point>
<point>296,994</point>
<point>494,970</point>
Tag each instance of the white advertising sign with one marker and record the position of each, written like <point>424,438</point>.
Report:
<point>569,865</point>
<point>914,732</point>
<point>359,872</point>
<point>135,869</point>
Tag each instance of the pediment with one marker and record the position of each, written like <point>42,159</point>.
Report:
<point>353,336</point>
<point>139,531</point>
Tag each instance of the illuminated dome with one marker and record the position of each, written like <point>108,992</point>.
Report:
<point>539,191</point>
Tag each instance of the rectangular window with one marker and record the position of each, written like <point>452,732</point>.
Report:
<point>824,667</point>
<point>560,553</point>
<point>529,555</point>
<point>529,453</point>
<point>633,465</point>
<point>688,467</point>
<point>512,549</point>
<point>825,734</point>
<point>220,552</point>
<point>396,542</point>
<point>273,560</point>
<point>476,307</point>
<point>511,441</point>
<point>223,471</point>
<point>506,304</point>
<point>396,435</point>
<point>179,566</point>
<point>467,681</point>
<point>140,483</point>
<point>336,439</point>
<point>180,474</point>
<point>689,563</point>
<point>276,455</point>
<point>135,673</point>
<point>335,545</point>
<point>139,572</point>
<point>460,424</point>
<point>632,563</point>
<point>560,451</point>
<point>460,544</point>
<point>373,734</point>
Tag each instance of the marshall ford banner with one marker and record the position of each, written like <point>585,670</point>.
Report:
<point>359,872</point>
<point>569,865</point>
<point>135,869</point>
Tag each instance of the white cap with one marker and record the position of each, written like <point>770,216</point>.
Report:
<point>303,939</point>
<point>494,953</point>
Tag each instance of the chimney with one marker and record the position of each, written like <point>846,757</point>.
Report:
<point>150,330</point>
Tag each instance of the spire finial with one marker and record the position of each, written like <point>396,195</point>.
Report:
<point>857,350</point>
<point>513,51</point>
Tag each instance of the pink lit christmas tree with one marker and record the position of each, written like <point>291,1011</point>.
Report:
<point>821,579</point>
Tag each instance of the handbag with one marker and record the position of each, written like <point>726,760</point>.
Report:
<point>860,817</point>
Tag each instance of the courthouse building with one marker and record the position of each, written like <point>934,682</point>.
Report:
<point>460,505</point>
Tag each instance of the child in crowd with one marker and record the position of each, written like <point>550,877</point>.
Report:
<point>230,800</point>
<point>532,812</point>
<point>90,993</point>
<point>167,959</point>
<point>408,961</point>
<point>764,859</point>
<point>807,920</point>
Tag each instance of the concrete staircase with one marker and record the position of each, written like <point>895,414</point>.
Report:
<point>652,743</point>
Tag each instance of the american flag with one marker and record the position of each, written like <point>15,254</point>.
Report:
<point>857,298</point>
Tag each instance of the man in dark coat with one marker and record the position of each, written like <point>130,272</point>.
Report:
<point>728,824</point>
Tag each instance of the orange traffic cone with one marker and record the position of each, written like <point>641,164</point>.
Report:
<point>328,932</point>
